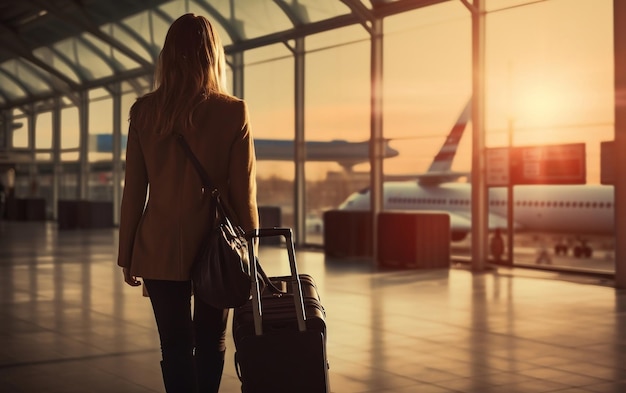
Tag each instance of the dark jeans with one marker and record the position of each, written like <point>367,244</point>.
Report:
<point>188,343</point>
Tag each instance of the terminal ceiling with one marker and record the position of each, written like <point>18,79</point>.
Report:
<point>57,48</point>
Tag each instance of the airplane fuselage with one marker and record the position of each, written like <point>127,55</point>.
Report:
<point>584,209</point>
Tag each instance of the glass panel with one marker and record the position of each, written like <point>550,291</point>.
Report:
<point>127,101</point>
<point>269,95</point>
<point>23,185</point>
<point>139,86</point>
<point>26,76</point>
<point>11,89</point>
<point>323,9</point>
<point>498,5</point>
<point>43,131</point>
<point>100,128</point>
<point>198,9</point>
<point>43,157</point>
<point>53,60</point>
<point>130,42</point>
<point>20,135</point>
<point>249,19</point>
<point>69,129</point>
<point>339,37</point>
<point>117,60</point>
<point>141,25</point>
<point>553,84</point>
<point>42,188</point>
<point>100,186</point>
<point>69,157</point>
<point>337,118</point>
<point>100,152</point>
<point>557,76</point>
<point>259,17</point>
<point>69,181</point>
<point>90,65</point>
<point>427,83</point>
<point>160,27</point>
<point>98,94</point>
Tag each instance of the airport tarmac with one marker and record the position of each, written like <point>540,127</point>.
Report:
<point>526,252</point>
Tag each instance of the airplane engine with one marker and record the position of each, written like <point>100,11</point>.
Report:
<point>457,236</point>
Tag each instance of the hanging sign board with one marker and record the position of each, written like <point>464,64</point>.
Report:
<point>497,167</point>
<point>549,164</point>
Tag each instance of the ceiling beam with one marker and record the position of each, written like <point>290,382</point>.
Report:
<point>18,82</point>
<point>18,47</point>
<point>365,15</point>
<point>86,24</point>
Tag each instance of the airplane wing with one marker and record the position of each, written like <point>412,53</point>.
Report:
<point>440,177</point>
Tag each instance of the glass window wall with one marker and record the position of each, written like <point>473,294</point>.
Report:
<point>337,122</point>
<point>269,93</point>
<point>549,80</point>
<point>552,84</point>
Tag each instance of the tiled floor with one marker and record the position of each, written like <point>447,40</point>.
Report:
<point>69,324</point>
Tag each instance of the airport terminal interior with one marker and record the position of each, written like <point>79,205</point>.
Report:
<point>70,324</point>
<point>367,116</point>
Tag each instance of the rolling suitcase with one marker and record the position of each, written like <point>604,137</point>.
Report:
<point>280,337</point>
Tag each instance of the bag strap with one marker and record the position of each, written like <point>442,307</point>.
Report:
<point>218,205</point>
<point>194,160</point>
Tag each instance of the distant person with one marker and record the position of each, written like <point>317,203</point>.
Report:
<point>158,242</point>
<point>497,246</point>
<point>543,256</point>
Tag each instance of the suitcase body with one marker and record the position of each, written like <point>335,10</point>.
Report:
<point>280,339</point>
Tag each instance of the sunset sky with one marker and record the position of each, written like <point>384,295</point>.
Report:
<point>549,69</point>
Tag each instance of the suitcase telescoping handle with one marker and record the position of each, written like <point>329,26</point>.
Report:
<point>257,309</point>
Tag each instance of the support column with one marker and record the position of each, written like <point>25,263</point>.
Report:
<point>56,157</point>
<point>32,144</point>
<point>479,189</point>
<point>116,95</point>
<point>299,144</point>
<point>619,42</point>
<point>83,146</point>
<point>376,128</point>
<point>4,129</point>
<point>238,75</point>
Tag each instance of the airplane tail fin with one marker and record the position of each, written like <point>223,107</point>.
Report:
<point>440,169</point>
<point>443,160</point>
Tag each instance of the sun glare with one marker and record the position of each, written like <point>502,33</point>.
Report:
<point>537,107</point>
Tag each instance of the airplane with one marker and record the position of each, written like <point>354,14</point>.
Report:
<point>581,210</point>
<point>346,154</point>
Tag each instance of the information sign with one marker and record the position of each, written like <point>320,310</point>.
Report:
<point>497,167</point>
<point>549,164</point>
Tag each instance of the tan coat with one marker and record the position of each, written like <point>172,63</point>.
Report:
<point>161,241</point>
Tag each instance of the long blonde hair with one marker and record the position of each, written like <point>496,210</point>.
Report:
<point>191,67</point>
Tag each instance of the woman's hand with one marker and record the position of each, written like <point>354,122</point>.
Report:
<point>129,278</point>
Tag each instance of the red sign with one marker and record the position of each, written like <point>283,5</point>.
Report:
<point>551,164</point>
<point>497,167</point>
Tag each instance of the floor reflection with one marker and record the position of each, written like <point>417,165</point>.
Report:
<point>69,322</point>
